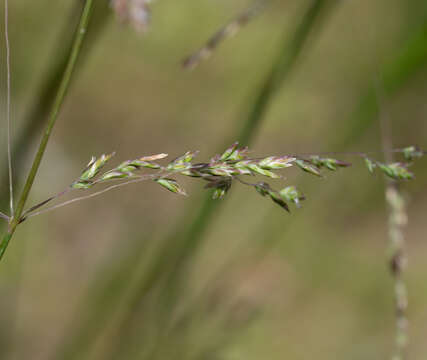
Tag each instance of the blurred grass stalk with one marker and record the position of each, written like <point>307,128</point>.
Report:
<point>396,224</point>
<point>397,221</point>
<point>169,262</point>
<point>53,116</point>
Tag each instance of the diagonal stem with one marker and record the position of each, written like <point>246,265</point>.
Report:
<point>56,106</point>
<point>136,179</point>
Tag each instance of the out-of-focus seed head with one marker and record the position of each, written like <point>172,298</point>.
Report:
<point>135,12</point>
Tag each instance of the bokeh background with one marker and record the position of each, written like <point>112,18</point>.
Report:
<point>141,273</point>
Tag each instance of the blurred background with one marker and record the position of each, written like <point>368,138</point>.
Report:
<point>141,273</point>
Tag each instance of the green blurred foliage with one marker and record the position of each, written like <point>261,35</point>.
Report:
<point>97,280</point>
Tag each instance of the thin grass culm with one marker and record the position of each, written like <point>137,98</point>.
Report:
<point>8,120</point>
<point>56,106</point>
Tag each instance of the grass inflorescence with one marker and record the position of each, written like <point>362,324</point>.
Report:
<point>219,173</point>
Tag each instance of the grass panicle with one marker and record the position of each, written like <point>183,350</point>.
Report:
<point>219,173</point>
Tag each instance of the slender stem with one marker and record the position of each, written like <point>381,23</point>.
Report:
<point>343,153</point>
<point>56,106</point>
<point>348,153</point>
<point>9,151</point>
<point>43,203</point>
<point>85,197</point>
<point>244,182</point>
